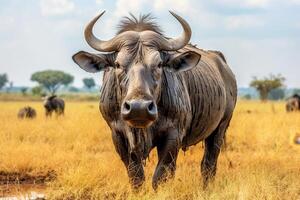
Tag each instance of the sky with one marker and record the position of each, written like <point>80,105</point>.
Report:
<point>257,37</point>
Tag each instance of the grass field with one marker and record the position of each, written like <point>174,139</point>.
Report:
<point>75,156</point>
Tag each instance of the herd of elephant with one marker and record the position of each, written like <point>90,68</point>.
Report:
<point>51,104</point>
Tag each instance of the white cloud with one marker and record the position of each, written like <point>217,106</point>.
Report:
<point>56,7</point>
<point>257,3</point>
<point>247,3</point>
<point>99,2</point>
<point>31,43</point>
<point>6,22</point>
<point>243,21</point>
<point>121,8</point>
<point>125,6</point>
<point>176,5</point>
<point>295,2</point>
<point>259,57</point>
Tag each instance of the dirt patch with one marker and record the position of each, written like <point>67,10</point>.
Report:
<point>22,191</point>
<point>16,185</point>
<point>7,178</point>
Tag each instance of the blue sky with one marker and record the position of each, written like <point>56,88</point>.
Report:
<point>258,37</point>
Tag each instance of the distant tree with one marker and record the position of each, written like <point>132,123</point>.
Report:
<point>37,90</point>
<point>23,91</point>
<point>10,87</point>
<point>247,96</point>
<point>89,82</point>
<point>296,91</point>
<point>51,80</point>
<point>3,80</point>
<point>73,89</point>
<point>266,84</point>
<point>277,94</point>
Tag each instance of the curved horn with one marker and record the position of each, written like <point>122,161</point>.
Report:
<point>174,44</point>
<point>95,43</point>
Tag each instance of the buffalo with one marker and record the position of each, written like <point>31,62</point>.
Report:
<point>296,139</point>
<point>293,103</point>
<point>27,112</point>
<point>54,104</point>
<point>160,92</point>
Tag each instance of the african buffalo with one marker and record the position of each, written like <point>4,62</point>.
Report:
<point>27,112</point>
<point>54,104</point>
<point>297,138</point>
<point>160,92</point>
<point>293,103</point>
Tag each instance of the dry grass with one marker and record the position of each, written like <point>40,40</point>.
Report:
<point>260,162</point>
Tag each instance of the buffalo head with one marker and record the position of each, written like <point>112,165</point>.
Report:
<point>138,56</point>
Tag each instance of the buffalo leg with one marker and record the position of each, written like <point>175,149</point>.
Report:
<point>212,149</point>
<point>167,151</point>
<point>135,171</point>
<point>48,113</point>
<point>132,162</point>
<point>59,112</point>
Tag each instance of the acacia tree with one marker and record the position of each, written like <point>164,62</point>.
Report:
<point>23,90</point>
<point>277,94</point>
<point>3,80</point>
<point>51,80</point>
<point>37,90</point>
<point>88,82</point>
<point>266,84</point>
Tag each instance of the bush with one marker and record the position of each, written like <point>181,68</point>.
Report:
<point>37,91</point>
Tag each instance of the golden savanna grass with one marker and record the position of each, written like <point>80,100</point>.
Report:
<point>76,154</point>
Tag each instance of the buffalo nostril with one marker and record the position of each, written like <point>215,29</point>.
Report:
<point>151,106</point>
<point>127,106</point>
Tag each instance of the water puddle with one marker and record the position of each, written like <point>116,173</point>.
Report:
<point>22,192</point>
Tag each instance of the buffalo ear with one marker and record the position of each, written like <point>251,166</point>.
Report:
<point>183,61</point>
<point>90,62</point>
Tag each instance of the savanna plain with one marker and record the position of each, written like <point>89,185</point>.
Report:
<point>73,157</point>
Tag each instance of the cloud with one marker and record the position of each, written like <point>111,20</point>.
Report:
<point>256,36</point>
<point>297,2</point>
<point>243,21</point>
<point>257,3</point>
<point>56,7</point>
<point>122,7</point>
<point>246,3</point>
<point>125,6</point>
<point>6,22</point>
<point>99,2</point>
<point>177,5</point>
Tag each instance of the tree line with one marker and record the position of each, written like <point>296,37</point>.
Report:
<point>271,87</point>
<point>49,81</point>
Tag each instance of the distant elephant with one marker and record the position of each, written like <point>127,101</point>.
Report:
<point>54,104</point>
<point>293,103</point>
<point>27,112</point>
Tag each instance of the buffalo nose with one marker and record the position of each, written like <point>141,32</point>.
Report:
<point>139,110</point>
